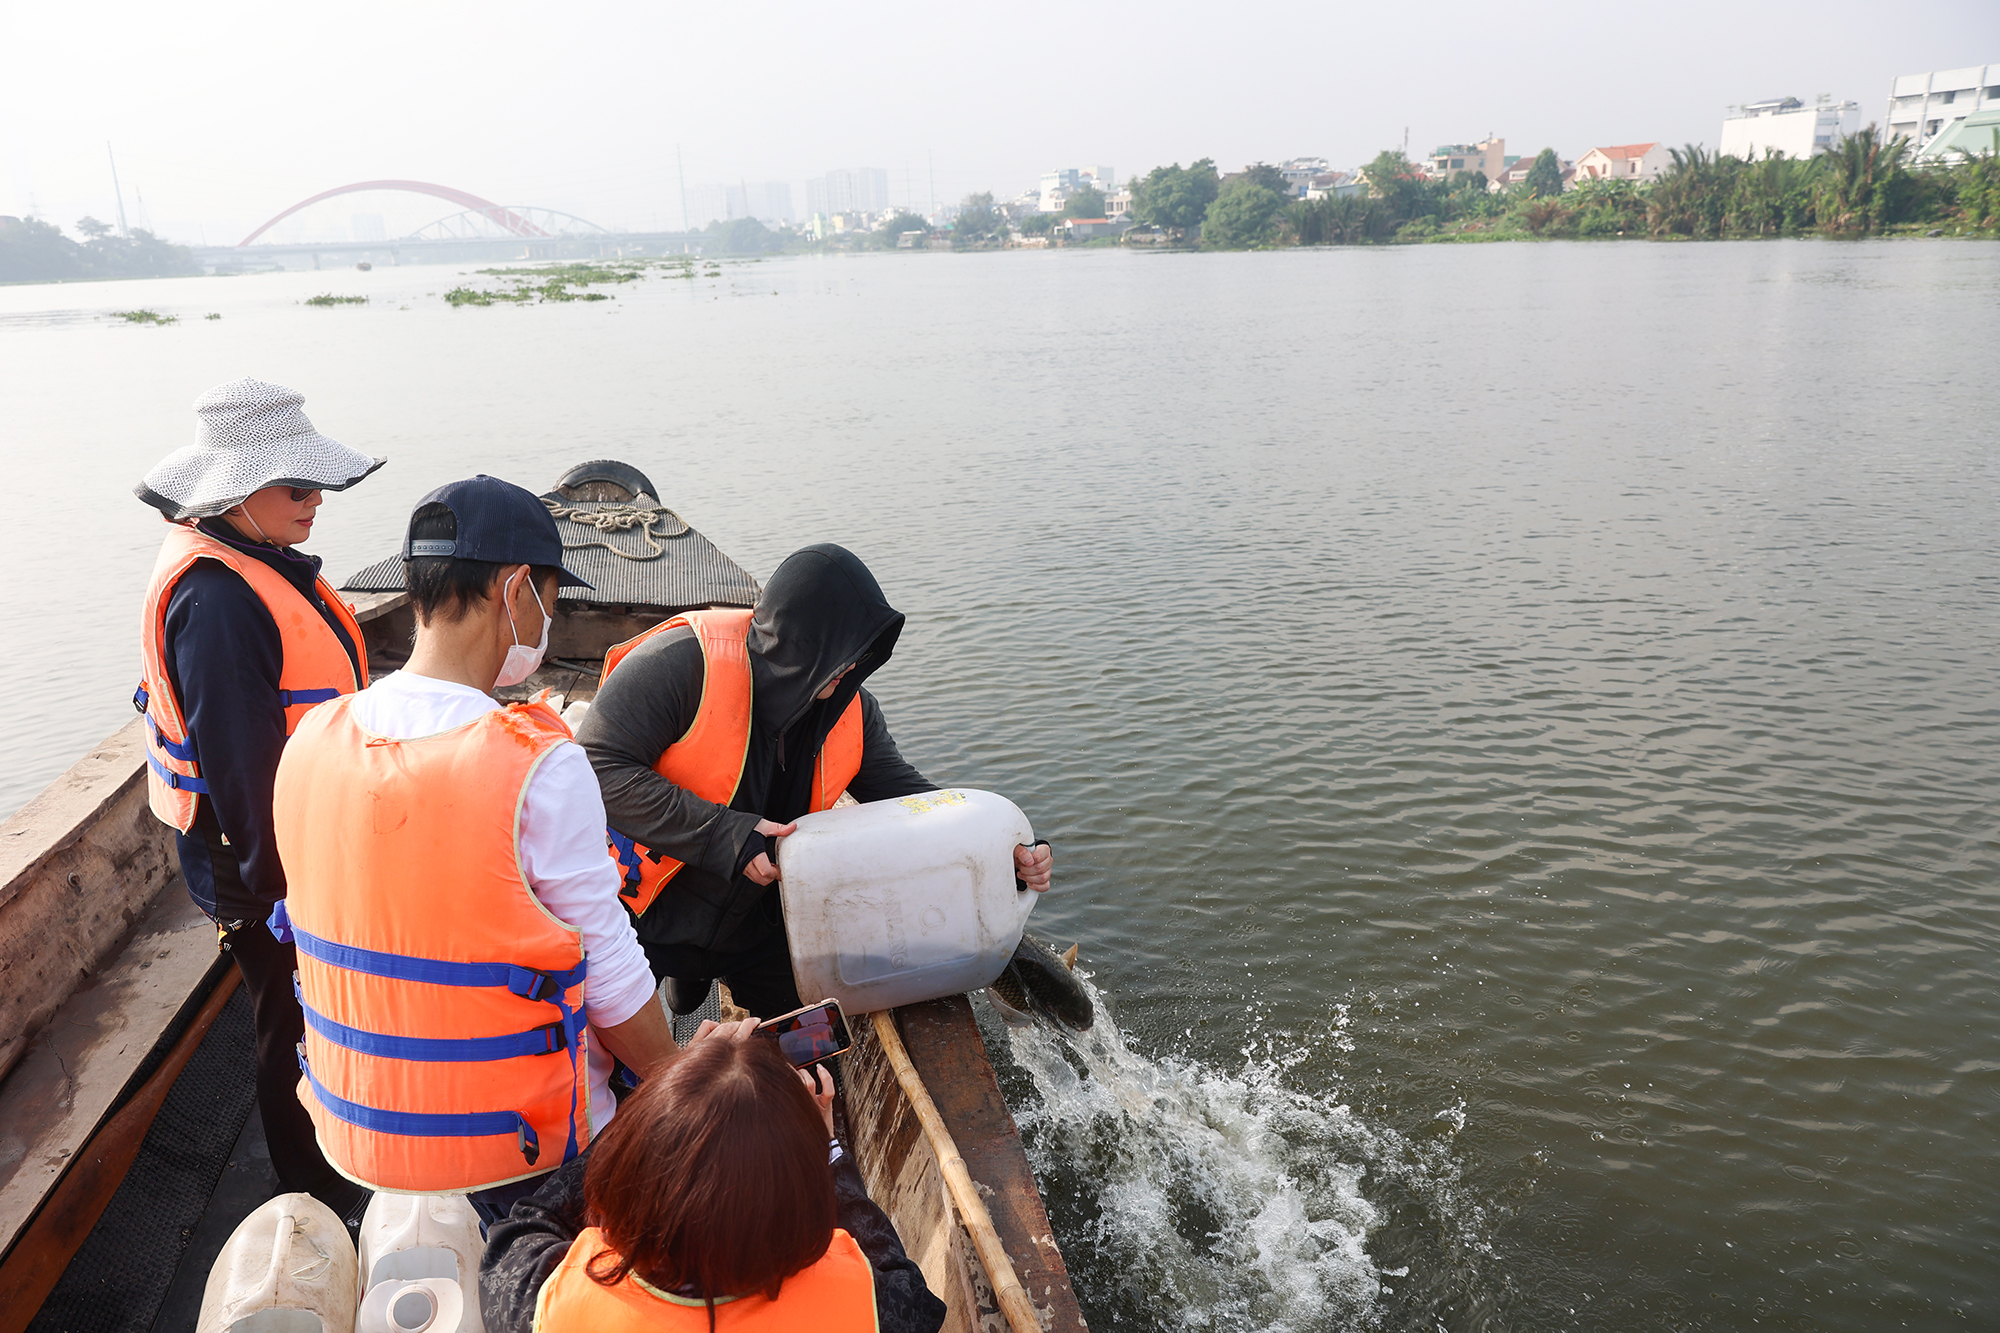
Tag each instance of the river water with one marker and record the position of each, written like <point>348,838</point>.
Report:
<point>1517,723</point>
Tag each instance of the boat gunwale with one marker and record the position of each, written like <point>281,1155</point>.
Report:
<point>103,784</point>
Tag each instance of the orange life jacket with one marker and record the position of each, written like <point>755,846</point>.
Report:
<point>836,1294</point>
<point>445,1024</point>
<point>708,760</point>
<point>316,666</point>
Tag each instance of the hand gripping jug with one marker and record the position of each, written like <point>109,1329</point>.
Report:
<point>420,1265</point>
<point>287,1268</point>
<point>903,900</point>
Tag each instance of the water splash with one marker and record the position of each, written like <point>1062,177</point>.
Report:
<point>1214,1200</point>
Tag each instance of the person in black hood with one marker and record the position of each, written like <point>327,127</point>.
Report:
<point>821,628</point>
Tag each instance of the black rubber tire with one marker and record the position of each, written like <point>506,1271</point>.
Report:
<point>611,470</point>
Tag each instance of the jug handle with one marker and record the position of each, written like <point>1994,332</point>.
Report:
<point>1021,885</point>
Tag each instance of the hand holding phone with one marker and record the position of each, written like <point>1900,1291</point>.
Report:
<point>820,1084</point>
<point>809,1035</point>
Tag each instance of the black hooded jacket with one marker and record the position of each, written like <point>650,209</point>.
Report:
<point>821,611</point>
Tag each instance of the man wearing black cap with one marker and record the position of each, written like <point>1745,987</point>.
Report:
<point>449,882</point>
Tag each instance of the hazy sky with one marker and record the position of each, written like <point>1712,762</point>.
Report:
<point>224,113</point>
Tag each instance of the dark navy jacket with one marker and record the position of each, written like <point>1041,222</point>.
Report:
<point>224,657</point>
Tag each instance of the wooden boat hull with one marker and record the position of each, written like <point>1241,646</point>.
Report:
<point>944,1043</point>
<point>102,955</point>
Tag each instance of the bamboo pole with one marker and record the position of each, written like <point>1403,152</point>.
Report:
<point>1007,1289</point>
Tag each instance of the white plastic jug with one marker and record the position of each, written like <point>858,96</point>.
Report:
<point>898,901</point>
<point>420,1257</point>
<point>287,1268</point>
<point>427,1305</point>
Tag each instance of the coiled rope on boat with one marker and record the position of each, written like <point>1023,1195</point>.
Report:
<point>620,518</point>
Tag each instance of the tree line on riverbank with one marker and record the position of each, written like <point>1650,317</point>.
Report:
<point>1864,185</point>
<point>35,251</point>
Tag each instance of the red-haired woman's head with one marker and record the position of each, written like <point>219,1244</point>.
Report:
<point>713,1177</point>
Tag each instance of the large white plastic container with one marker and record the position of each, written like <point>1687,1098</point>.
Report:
<point>420,1265</point>
<point>426,1305</point>
<point>287,1268</point>
<point>898,901</point>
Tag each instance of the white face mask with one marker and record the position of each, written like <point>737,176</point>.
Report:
<point>521,659</point>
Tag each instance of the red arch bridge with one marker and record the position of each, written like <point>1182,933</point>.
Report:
<point>478,219</point>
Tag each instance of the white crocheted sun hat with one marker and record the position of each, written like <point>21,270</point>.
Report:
<point>251,435</point>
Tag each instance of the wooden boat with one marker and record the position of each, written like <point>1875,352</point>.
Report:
<point>110,977</point>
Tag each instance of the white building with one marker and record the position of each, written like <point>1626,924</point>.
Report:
<point>1335,184</point>
<point>1787,125</point>
<point>1969,136</point>
<point>1922,106</point>
<point>1517,171</point>
<point>1623,162</point>
<point>1299,172</point>
<point>848,190</point>
<point>1489,156</point>
<point>1058,185</point>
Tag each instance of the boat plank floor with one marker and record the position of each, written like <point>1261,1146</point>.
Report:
<point>76,1068</point>
<point>121,1275</point>
<point>246,1182</point>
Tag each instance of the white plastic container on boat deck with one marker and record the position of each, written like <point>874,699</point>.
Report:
<point>426,1305</point>
<point>898,901</point>
<point>420,1265</point>
<point>287,1268</point>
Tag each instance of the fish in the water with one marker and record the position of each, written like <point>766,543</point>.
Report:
<point>1038,982</point>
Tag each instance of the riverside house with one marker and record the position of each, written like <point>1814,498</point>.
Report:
<point>1624,162</point>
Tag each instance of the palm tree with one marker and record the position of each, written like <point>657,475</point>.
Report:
<point>1856,184</point>
<point>1692,197</point>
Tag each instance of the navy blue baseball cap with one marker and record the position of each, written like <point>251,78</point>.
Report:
<point>498,522</point>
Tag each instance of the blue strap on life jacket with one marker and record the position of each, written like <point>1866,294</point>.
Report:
<point>429,1124</point>
<point>628,857</point>
<point>178,781</point>
<point>293,698</point>
<point>544,1040</point>
<point>526,982</point>
<point>183,751</point>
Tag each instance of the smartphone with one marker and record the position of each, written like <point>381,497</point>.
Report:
<point>809,1035</point>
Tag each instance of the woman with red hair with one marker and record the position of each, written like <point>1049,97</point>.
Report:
<point>718,1199</point>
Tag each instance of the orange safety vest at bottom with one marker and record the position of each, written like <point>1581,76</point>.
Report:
<point>835,1294</point>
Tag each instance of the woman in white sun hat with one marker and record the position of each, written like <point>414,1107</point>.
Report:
<point>240,637</point>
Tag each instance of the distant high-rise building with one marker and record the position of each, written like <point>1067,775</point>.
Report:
<point>367,227</point>
<point>770,202</point>
<point>848,190</point>
<point>1786,125</point>
<point>1923,106</point>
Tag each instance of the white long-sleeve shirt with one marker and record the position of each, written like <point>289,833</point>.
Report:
<point>562,852</point>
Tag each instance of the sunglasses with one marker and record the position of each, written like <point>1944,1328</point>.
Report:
<point>300,494</point>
